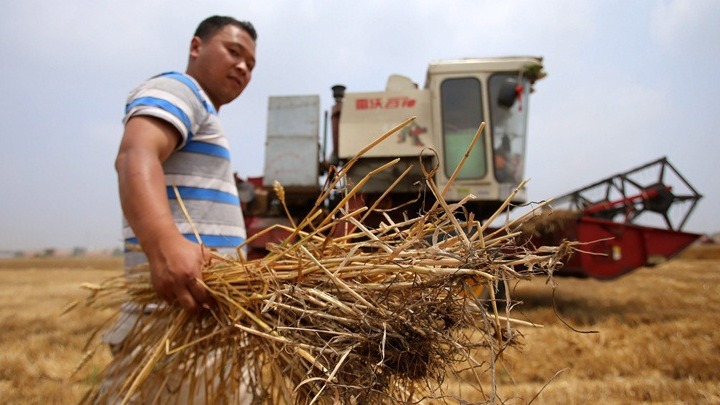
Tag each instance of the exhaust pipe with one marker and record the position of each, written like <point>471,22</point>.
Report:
<point>338,91</point>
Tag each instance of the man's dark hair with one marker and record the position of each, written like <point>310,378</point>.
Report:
<point>211,25</point>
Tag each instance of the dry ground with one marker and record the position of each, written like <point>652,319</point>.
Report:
<point>655,335</point>
<point>39,347</point>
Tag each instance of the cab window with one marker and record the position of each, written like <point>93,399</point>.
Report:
<point>508,116</point>
<point>462,114</point>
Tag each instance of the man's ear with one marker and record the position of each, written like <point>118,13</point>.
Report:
<point>195,45</point>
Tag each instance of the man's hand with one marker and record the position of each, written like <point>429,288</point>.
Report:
<point>175,266</point>
<point>175,262</point>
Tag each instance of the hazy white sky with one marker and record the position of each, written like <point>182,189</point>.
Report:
<point>629,82</point>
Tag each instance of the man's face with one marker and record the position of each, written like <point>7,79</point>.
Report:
<point>223,63</point>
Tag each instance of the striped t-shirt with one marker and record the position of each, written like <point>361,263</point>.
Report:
<point>200,167</point>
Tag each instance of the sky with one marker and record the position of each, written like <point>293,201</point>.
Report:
<point>628,83</point>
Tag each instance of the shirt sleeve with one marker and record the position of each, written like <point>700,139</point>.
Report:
<point>169,100</point>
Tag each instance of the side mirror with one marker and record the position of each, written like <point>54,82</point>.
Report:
<point>507,94</point>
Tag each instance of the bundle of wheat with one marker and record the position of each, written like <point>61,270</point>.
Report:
<point>379,315</point>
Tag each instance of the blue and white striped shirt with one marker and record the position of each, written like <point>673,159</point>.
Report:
<point>200,167</point>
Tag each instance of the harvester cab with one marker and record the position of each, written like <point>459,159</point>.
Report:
<point>457,97</point>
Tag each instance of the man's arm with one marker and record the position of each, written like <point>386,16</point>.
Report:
<point>175,262</point>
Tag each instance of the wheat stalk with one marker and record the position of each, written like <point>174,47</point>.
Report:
<point>379,315</point>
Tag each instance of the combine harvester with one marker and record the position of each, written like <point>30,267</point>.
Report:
<point>458,96</point>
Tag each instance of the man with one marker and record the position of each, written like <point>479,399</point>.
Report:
<point>173,140</point>
<point>173,137</point>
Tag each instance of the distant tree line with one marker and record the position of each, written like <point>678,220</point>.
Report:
<point>77,251</point>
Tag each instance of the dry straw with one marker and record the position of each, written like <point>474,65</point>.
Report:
<point>380,315</point>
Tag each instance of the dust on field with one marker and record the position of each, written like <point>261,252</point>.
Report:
<point>648,337</point>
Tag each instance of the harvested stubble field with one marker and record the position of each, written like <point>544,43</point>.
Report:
<point>655,335</point>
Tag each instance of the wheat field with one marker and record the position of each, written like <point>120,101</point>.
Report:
<point>650,337</point>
